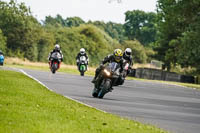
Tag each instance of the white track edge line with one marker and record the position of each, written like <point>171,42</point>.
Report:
<point>60,94</point>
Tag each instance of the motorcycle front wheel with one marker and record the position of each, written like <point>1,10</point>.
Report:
<point>105,88</point>
<point>54,68</point>
<point>95,92</point>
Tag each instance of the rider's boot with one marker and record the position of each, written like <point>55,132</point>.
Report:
<point>94,79</point>
<point>96,74</point>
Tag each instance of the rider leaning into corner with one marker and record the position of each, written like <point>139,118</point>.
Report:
<point>56,49</point>
<point>115,57</point>
<point>127,56</point>
<point>81,53</point>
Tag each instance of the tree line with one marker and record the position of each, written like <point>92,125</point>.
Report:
<point>170,35</point>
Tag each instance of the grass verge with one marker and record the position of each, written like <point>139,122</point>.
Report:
<point>27,106</point>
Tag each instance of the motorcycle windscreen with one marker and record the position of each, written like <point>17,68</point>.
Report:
<point>56,56</point>
<point>113,66</point>
<point>82,58</point>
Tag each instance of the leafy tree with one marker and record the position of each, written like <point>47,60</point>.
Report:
<point>59,21</point>
<point>115,30</point>
<point>2,42</point>
<point>74,21</point>
<point>178,27</point>
<point>141,26</point>
<point>189,52</point>
<point>45,44</point>
<point>51,21</point>
<point>150,53</point>
<point>19,27</point>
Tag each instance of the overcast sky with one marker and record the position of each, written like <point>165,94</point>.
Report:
<point>101,10</point>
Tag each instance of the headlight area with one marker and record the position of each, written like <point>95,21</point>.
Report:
<point>107,72</point>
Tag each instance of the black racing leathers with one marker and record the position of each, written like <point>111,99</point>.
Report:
<point>109,58</point>
<point>129,59</point>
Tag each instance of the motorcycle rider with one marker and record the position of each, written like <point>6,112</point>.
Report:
<point>56,49</point>
<point>127,56</point>
<point>115,57</point>
<point>81,53</point>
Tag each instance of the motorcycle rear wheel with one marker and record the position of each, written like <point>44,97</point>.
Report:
<point>82,73</point>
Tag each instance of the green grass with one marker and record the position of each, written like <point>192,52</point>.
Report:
<point>44,68</point>
<point>28,107</point>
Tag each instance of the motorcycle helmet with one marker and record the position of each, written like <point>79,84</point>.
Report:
<point>128,52</point>
<point>82,51</point>
<point>57,47</point>
<point>118,54</point>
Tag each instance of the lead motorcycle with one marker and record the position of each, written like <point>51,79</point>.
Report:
<point>106,79</point>
<point>82,66</point>
<point>55,61</point>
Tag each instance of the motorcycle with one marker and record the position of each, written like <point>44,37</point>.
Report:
<point>1,59</point>
<point>82,65</point>
<point>106,79</point>
<point>55,61</point>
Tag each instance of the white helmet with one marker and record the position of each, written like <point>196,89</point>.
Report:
<point>82,51</point>
<point>57,47</point>
<point>128,52</point>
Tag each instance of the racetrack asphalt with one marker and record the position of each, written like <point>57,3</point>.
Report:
<point>170,107</point>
